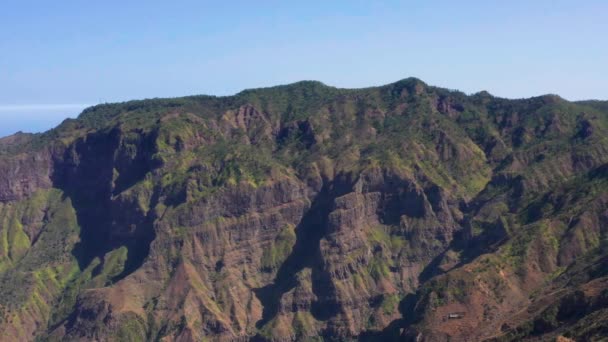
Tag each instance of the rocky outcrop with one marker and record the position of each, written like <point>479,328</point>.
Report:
<point>23,174</point>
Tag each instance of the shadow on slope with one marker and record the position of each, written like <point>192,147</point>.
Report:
<point>306,253</point>
<point>86,175</point>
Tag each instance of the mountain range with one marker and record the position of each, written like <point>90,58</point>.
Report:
<point>306,212</point>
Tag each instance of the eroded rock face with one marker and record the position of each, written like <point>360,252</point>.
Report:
<point>23,174</point>
<point>289,213</point>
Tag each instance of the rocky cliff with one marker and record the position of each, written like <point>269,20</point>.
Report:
<point>307,212</point>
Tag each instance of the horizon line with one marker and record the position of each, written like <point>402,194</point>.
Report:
<point>48,106</point>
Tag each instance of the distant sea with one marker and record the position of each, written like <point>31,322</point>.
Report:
<point>35,118</point>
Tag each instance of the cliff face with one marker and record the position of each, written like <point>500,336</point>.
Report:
<point>304,211</point>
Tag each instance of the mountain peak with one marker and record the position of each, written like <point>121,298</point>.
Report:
<point>299,86</point>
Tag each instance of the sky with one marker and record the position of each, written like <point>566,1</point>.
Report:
<point>57,57</point>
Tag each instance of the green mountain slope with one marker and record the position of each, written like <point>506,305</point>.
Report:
<point>297,212</point>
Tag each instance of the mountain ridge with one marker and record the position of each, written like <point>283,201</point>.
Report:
<point>306,211</point>
<point>592,102</point>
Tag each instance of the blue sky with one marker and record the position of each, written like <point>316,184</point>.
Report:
<point>57,57</point>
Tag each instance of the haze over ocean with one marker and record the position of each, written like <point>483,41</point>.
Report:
<point>60,56</point>
<point>35,118</point>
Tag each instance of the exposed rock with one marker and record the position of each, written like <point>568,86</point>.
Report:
<point>304,211</point>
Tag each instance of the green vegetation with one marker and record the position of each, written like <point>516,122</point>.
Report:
<point>131,329</point>
<point>277,253</point>
<point>35,275</point>
<point>465,189</point>
<point>390,304</point>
